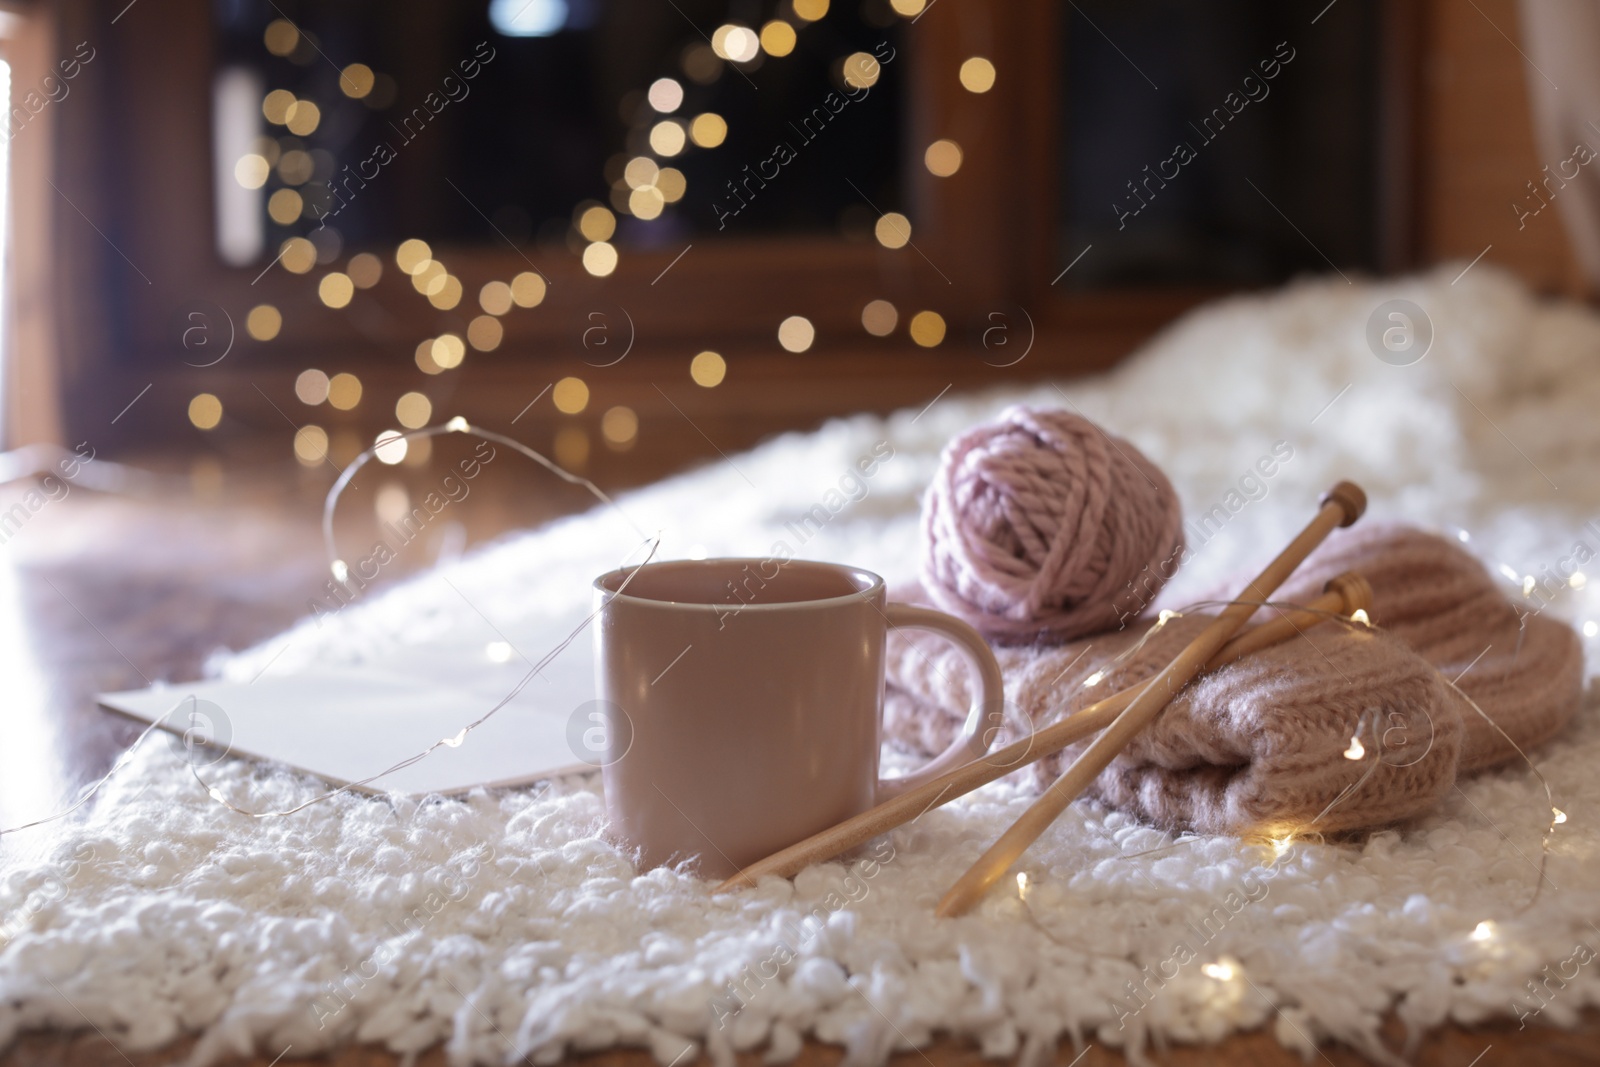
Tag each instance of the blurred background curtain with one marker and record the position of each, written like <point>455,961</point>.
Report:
<point>1561,40</point>
<point>31,413</point>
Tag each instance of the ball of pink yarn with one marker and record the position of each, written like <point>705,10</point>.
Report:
<point>1041,525</point>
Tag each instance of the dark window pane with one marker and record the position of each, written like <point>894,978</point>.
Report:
<point>468,130</point>
<point>1200,137</point>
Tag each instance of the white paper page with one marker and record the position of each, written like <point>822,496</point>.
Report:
<point>348,724</point>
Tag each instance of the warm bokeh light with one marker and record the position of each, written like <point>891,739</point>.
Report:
<point>284,206</point>
<point>570,396</point>
<point>671,185</point>
<point>701,64</point>
<point>619,426</point>
<point>311,387</point>
<point>646,203</point>
<point>391,447</point>
<point>412,254</point>
<point>527,289</point>
<point>810,10</point>
<point>275,106</point>
<point>571,448</point>
<point>597,224</point>
<point>796,333</point>
<point>734,42</point>
<point>495,298</point>
<point>743,44</point>
<point>428,277</point>
<point>344,391</point>
<point>296,167</point>
<point>708,369</point>
<point>311,445</point>
<point>281,37</point>
<point>640,172</point>
<point>600,259</point>
<point>424,358</point>
<point>205,411</point>
<point>413,410</point>
<point>665,95</point>
<point>667,138</point>
<point>336,289</point>
<point>445,294</point>
<point>879,318</point>
<point>485,333</point>
<point>943,158</point>
<point>777,38</point>
<point>893,230</point>
<point>303,118</point>
<point>263,322</point>
<point>298,255</point>
<point>708,129</point>
<point>268,149</point>
<point>977,75</point>
<point>356,80</point>
<point>927,328</point>
<point>448,351</point>
<point>861,70</point>
<point>252,171</point>
<point>908,8</point>
<point>365,270</point>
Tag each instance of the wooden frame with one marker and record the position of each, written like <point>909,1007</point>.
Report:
<point>983,252</point>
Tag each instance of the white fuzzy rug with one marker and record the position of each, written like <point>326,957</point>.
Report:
<point>502,925</point>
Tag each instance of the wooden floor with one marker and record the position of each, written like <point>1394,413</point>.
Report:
<point>110,591</point>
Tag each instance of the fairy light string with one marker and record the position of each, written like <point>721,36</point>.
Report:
<point>341,570</point>
<point>651,544</point>
<point>89,791</point>
<point>1367,724</point>
<point>1279,845</point>
<point>455,425</point>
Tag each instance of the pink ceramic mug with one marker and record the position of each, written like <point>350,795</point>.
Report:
<point>744,700</point>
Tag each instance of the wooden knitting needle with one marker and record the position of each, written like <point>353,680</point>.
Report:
<point>1343,595</point>
<point>1342,506</point>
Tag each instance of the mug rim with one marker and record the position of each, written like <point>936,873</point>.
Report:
<point>875,584</point>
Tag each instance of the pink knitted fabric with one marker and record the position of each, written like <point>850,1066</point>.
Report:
<point>1430,592</point>
<point>1259,746</point>
<point>1256,748</point>
<point>1036,521</point>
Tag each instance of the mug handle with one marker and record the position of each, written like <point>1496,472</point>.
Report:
<point>988,703</point>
